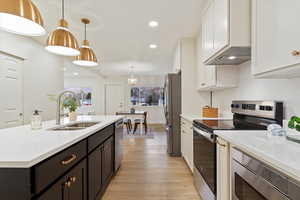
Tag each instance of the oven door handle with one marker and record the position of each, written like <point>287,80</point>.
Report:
<point>259,184</point>
<point>208,136</point>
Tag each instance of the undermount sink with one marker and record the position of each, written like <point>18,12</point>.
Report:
<point>75,126</point>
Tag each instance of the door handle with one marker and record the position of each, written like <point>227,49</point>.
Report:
<point>68,184</point>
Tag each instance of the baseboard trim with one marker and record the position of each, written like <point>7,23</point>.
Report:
<point>187,164</point>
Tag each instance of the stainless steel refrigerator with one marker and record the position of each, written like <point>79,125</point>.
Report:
<point>172,108</point>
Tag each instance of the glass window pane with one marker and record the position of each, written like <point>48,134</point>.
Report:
<point>147,96</point>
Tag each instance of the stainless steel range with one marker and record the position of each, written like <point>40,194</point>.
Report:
<point>247,115</point>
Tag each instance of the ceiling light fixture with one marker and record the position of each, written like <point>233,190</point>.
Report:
<point>132,80</point>
<point>153,24</point>
<point>75,73</point>
<point>152,46</point>
<point>21,17</point>
<point>61,41</point>
<point>231,57</point>
<point>87,56</point>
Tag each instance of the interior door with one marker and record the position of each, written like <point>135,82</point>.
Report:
<point>114,99</point>
<point>11,80</point>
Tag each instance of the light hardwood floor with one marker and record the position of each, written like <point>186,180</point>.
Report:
<point>147,172</point>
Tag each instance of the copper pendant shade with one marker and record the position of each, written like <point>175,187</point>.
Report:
<point>21,17</point>
<point>61,41</point>
<point>87,56</point>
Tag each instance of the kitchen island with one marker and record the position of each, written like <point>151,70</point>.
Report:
<point>57,165</point>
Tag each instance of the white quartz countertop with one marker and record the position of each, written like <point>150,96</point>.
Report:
<point>191,118</point>
<point>282,155</point>
<point>21,147</point>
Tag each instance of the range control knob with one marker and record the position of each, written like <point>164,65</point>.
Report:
<point>262,107</point>
<point>269,108</point>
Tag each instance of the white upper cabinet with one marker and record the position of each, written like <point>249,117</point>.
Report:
<point>221,30</point>
<point>276,33</point>
<point>212,77</point>
<point>226,31</point>
<point>208,32</point>
<point>217,77</point>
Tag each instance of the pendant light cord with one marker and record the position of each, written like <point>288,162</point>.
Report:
<point>63,9</point>
<point>84,31</point>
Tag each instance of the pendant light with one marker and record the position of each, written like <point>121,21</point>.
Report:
<point>132,80</point>
<point>61,41</point>
<point>87,56</point>
<point>21,17</point>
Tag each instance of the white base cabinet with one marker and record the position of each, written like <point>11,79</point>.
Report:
<point>187,142</point>
<point>223,170</point>
<point>275,38</point>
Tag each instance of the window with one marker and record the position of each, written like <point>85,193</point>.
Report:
<point>147,96</point>
<point>83,94</point>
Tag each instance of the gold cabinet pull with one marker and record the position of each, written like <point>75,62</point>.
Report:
<point>68,184</point>
<point>69,160</point>
<point>219,143</point>
<point>295,53</point>
<point>73,179</point>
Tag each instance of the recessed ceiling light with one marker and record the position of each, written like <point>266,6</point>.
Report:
<point>153,24</point>
<point>75,73</point>
<point>232,57</point>
<point>152,46</point>
<point>65,69</point>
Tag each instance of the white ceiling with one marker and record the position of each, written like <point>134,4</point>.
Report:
<point>119,31</point>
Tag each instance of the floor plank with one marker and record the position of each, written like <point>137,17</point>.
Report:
<point>147,172</point>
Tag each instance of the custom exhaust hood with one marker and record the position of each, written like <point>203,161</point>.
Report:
<point>231,56</point>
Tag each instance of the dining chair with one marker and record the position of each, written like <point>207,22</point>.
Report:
<point>127,123</point>
<point>137,122</point>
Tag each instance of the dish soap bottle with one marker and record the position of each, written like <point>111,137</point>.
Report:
<point>36,120</point>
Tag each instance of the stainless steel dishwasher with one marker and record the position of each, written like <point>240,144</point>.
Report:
<point>118,144</point>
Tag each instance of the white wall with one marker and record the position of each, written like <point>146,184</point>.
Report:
<point>261,89</point>
<point>43,74</point>
<point>192,101</point>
